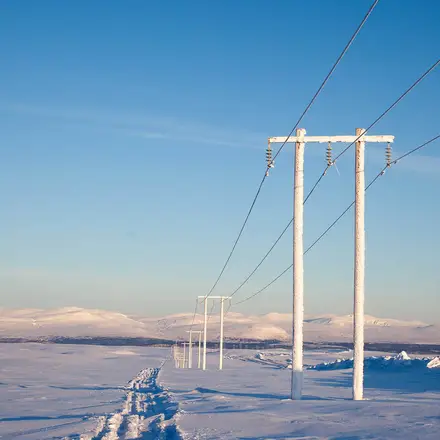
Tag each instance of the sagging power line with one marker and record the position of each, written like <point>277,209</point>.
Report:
<point>300,119</point>
<point>336,221</point>
<point>330,163</point>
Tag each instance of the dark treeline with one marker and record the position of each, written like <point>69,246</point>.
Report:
<point>388,347</point>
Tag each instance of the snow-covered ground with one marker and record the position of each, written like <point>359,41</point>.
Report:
<point>57,391</point>
<point>249,400</point>
<point>78,322</point>
<point>91,392</point>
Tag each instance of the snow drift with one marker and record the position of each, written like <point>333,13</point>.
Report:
<point>391,363</point>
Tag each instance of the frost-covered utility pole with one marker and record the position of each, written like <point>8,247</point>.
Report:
<point>184,354</point>
<point>174,353</point>
<point>222,318</point>
<point>199,364</point>
<point>359,270</point>
<point>205,328</point>
<point>190,353</point>
<point>177,355</point>
<point>178,358</point>
<point>298,268</point>
<point>298,254</point>
<point>205,325</point>
<point>190,349</point>
<point>199,350</point>
<point>222,311</point>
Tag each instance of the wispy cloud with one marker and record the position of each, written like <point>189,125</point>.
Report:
<point>417,163</point>
<point>145,126</point>
<point>165,128</point>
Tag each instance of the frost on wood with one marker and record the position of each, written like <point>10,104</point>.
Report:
<point>298,271</point>
<point>359,271</point>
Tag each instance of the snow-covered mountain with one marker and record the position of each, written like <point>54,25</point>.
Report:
<point>67,321</point>
<point>74,321</point>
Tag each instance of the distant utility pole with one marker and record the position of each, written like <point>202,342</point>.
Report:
<point>199,332</point>
<point>205,325</point>
<point>184,354</point>
<point>174,353</point>
<point>298,251</point>
<point>179,360</point>
<point>222,317</point>
<point>178,357</point>
<point>190,349</point>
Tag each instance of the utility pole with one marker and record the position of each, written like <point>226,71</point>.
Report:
<point>298,269</point>
<point>200,351</point>
<point>359,270</point>
<point>205,326</point>
<point>190,350</point>
<point>177,355</point>
<point>222,311</point>
<point>190,347</point>
<point>298,254</point>
<point>184,354</point>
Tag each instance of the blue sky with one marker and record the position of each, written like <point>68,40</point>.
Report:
<point>133,136</point>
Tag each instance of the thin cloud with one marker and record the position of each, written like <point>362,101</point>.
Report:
<point>145,126</point>
<point>168,128</point>
<point>417,163</point>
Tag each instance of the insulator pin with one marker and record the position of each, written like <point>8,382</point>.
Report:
<point>388,155</point>
<point>329,155</point>
<point>269,160</point>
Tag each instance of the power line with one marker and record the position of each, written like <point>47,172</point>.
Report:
<point>309,105</point>
<point>195,313</point>
<point>332,163</point>
<point>262,260</point>
<point>415,149</point>
<point>265,287</point>
<point>420,79</point>
<point>328,75</point>
<point>381,173</point>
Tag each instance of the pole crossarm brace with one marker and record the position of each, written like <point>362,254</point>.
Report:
<point>332,139</point>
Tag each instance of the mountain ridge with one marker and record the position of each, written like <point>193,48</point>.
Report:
<point>81,322</point>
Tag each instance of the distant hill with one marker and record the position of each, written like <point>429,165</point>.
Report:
<point>79,322</point>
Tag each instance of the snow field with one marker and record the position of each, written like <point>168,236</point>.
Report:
<point>78,392</point>
<point>96,393</point>
<point>249,399</point>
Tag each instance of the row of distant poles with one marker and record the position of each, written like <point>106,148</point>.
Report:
<point>183,353</point>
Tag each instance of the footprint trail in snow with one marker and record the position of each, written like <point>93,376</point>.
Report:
<point>147,413</point>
